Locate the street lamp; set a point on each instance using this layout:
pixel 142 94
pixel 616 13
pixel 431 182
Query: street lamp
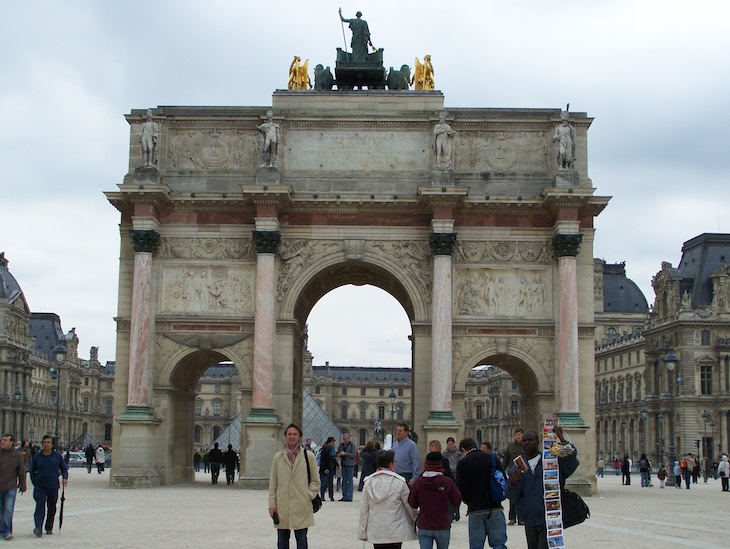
pixel 622 441
pixel 644 418
pixel 59 354
pixel 660 442
pixel 393 409
pixel 671 361
pixel 17 397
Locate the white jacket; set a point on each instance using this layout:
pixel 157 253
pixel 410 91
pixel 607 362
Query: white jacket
pixel 723 466
pixel 385 516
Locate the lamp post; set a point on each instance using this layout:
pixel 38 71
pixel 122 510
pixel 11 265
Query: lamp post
pixel 393 409
pixel 660 442
pixel 671 361
pixel 18 397
pixel 644 418
pixel 622 441
pixel 59 354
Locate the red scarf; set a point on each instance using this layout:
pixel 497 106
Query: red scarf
pixel 292 454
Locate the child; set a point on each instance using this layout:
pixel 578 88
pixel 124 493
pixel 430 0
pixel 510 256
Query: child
pixel 661 474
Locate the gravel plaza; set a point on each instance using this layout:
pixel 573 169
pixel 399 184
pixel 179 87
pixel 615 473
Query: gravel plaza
pixel 201 515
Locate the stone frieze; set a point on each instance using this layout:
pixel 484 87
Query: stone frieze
pixel 480 151
pixel 502 293
pixel 504 251
pixel 296 255
pixel 206 248
pixel 212 149
pixel 207 290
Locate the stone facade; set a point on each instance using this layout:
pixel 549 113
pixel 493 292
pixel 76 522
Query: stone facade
pixel 490 258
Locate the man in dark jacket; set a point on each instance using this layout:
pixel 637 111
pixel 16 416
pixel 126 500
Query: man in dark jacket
pixel 12 477
pixel 473 477
pixel 230 458
pixel 216 458
pixel 90 454
pixel 513 450
pixel 45 468
pixel 526 487
pixel 433 492
pixel 327 466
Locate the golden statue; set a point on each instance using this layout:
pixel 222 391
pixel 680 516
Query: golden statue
pixel 299 75
pixel 423 74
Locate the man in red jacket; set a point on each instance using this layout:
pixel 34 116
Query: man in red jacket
pixel 432 492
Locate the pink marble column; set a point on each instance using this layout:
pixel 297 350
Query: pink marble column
pixel 138 390
pixel 442 246
pixel 264 321
pixel 566 247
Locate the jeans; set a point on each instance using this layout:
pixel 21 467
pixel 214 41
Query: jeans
pixel 45 497
pixel 600 472
pixel 347 472
pixel 687 478
pixel 282 540
pixel 536 537
pixel 7 506
pixel 427 537
pixel 326 484
pixel 644 479
pixel 491 526
pixel 215 470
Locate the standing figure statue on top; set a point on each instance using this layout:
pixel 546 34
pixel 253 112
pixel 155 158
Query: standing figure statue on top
pixel 360 37
pixel 565 137
pixel 148 140
pixel 443 138
pixel 269 141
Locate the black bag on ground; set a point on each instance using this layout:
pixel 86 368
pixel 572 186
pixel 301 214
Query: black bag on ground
pixel 574 509
pixel 317 501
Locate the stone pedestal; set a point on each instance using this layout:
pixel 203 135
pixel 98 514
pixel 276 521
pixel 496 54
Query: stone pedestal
pixel 134 450
pixel 442 178
pixel 440 426
pixel 268 175
pixel 262 442
pixel 566 179
pixel 147 175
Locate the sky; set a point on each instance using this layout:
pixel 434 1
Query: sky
pixel 655 75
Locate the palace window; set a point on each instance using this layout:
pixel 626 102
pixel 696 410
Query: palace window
pixel 400 392
pixel 86 403
pixel 217 389
pixel 705 338
pixel 216 408
pixel 108 403
pixel 514 407
pixel 198 407
pixel 317 390
pixel 706 379
pixel 363 436
pixel 480 411
pixel 198 434
pixel 216 432
pixel 109 386
pixel 198 388
pixel 399 412
pixel 381 392
pixel 86 381
pixel 107 431
pixel 344 391
pixel 363 411
pixel 479 389
pixel 514 385
pixel 343 411
pixel 362 391
pixel 381 411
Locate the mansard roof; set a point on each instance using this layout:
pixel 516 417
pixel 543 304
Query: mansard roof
pixel 701 257
pixel 45 328
pixel 620 293
pixel 9 288
pixel 362 373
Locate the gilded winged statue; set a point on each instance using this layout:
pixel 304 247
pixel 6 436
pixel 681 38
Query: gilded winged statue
pixel 423 74
pixel 299 75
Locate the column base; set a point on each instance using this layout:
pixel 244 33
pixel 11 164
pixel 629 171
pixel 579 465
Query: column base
pixel 583 487
pixel 138 413
pixel 570 418
pixel 130 477
pixel 262 415
pixel 440 425
pixel 262 442
pixel 441 418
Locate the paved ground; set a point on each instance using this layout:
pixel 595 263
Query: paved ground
pixel 202 515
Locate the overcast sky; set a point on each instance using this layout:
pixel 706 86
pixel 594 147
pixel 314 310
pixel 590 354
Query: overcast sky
pixel 654 75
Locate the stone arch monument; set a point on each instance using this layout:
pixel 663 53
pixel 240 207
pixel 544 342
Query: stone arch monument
pixel 223 257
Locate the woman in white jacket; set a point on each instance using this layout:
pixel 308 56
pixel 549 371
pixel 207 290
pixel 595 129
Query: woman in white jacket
pixel 723 469
pixel 386 519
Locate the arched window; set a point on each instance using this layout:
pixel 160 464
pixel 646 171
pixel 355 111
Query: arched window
pixel 216 407
pixel 198 434
pixel 216 433
pixel 107 432
pixel 363 435
pixel 198 406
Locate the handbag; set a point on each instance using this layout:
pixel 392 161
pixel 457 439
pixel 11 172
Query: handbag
pixel 574 509
pixel 317 501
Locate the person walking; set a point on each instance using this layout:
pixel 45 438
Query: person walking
pixel 677 470
pixel 644 470
pixel 46 467
pixel 473 477
pixel 230 458
pixel 216 459
pixel 600 465
pixel 723 470
pixel 293 485
pixel 100 458
pixel 453 455
pixel 367 463
pixel 527 489
pixel 513 450
pixel 347 454
pixel 626 470
pixel 206 461
pixel 434 495
pixel 12 479
pixel 386 518
pixel 407 462
pixel 196 460
pixel 327 466
pixel 90 456
pixel 661 474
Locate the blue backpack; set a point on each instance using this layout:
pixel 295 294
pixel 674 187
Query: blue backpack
pixel 497 482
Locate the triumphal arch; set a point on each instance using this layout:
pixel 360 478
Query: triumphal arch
pixel 236 220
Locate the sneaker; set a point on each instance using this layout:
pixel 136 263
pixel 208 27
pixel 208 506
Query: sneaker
pixel 49 533
pixel 37 532
pixel 511 523
pixel 8 537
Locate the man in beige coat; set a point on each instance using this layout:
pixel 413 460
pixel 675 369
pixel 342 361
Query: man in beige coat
pixel 290 495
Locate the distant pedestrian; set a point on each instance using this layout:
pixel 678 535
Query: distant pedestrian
pixel 434 494
pixel 327 466
pixel 626 470
pixel 677 470
pixel 386 518
pixel 216 459
pixel 27 453
pixel 616 466
pixel 661 474
pixel 46 467
pixel 100 458
pixel 229 462
pixel 90 456
pixel 347 452
pixel 513 450
pixel 723 470
pixel 644 470
pixel 196 461
pixel 486 447
pixel 600 465
pixel 290 491
pixel 206 461
pixel 12 479
pixel 367 463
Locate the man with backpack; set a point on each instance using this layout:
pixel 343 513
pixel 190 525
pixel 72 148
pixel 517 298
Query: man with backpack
pixel 526 487
pixel 474 478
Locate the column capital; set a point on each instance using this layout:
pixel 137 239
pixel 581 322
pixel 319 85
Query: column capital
pixel 145 240
pixel 566 245
pixel 442 243
pixel 266 241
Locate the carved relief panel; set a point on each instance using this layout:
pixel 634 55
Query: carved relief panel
pixel 504 251
pixel 503 293
pixel 207 290
pixel 212 149
pixel 296 255
pixel 206 248
pixel 481 151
